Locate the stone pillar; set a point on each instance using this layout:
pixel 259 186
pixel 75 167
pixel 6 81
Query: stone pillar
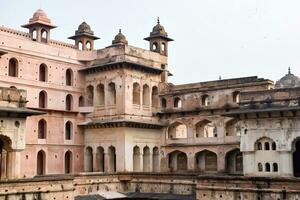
pixel 191 162
pixel 13 164
pixel 106 162
pixel 150 162
pixel 285 165
pixel 3 164
pixel 95 161
pixel 221 162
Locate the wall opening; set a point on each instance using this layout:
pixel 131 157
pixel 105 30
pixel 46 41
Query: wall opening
pixel 69 77
pixel 90 95
pixel 154 97
pixel 13 67
pixel 146 159
pixel 42 99
pixel 68 130
pixel 296 158
pixel 100 95
pixel 177 130
pixel 136 159
pixel 177 161
pixel 68 162
pixel 136 91
pixel 43 73
pixel 206 161
pixel 89 159
pixel 100 157
pixel 177 102
pixel 234 162
pixel 69 102
pixel 112 159
pixel 146 95
pixel 155 158
pixel 112 94
pixel 41 162
pixel 42 129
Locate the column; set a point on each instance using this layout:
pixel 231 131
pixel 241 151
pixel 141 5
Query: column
pixel 95 161
pixel 106 162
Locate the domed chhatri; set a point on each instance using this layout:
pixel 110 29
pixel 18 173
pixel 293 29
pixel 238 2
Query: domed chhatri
pixel 120 38
pixel 39 17
pixel 158 29
pixel 159 39
pixel 84 29
pixel 288 81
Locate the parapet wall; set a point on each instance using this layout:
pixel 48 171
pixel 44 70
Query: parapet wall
pixel 60 187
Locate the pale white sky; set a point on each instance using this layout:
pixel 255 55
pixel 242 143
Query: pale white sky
pixel 231 38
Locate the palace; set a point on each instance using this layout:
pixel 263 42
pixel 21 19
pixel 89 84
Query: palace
pixel 77 120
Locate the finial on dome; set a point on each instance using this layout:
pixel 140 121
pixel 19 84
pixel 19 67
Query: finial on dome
pixel 120 38
pixel 289 70
pixel 158 20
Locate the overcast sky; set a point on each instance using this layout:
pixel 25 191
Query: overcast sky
pixel 213 38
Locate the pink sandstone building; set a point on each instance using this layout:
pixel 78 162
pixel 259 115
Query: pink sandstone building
pixel 111 121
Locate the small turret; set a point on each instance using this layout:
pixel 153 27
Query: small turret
pixel 120 39
pixel 84 37
pixel 39 26
pixel 159 39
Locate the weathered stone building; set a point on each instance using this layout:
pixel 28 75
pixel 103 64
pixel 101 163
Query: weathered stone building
pixel 112 114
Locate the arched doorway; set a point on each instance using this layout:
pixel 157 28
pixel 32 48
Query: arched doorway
pixel 89 159
pixel 41 163
pixel 68 162
pixel 136 159
pixel 234 162
pixel 112 159
pixel 177 161
pixel 206 161
pixel 100 157
pixel 296 159
pixel 5 147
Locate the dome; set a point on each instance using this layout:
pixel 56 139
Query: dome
pixel 120 39
pixel 84 28
pixel 288 81
pixel 39 14
pixel 158 29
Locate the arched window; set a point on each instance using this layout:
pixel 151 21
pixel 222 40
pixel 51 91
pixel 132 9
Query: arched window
pixel 154 46
pixel 163 103
pixel 207 161
pixel 100 158
pixel 236 97
pixel 267 167
pixel 68 130
pixel 41 163
pixel 155 160
pixel 260 167
pixel 206 128
pixel 177 102
pixel 89 159
pixel 43 73
pixel 204 100
pixel 100 95
pixel 177 161
pixel 112 159
pixel 136 159
pixel 44 35
pixel 88 45
pixel 69 102
pixel 90 95
pixel 13 67
pixel 177 130
pixel 234 162
pixel 267 146
pixel 68 162
pixel 136 94
pixel 154 97
pixel 34 35
pixel 275 167
pixel 42 99
pixel 146 159
pixel 259 146
pixel 80 45
pixel 112 94
pixel 69 77
pixel 273 146
pixel 146 95
pixel 81 101
pixel 42 129
pixel 232 128
pixel 163 47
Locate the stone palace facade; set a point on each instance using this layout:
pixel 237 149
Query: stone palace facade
pixel 112 110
